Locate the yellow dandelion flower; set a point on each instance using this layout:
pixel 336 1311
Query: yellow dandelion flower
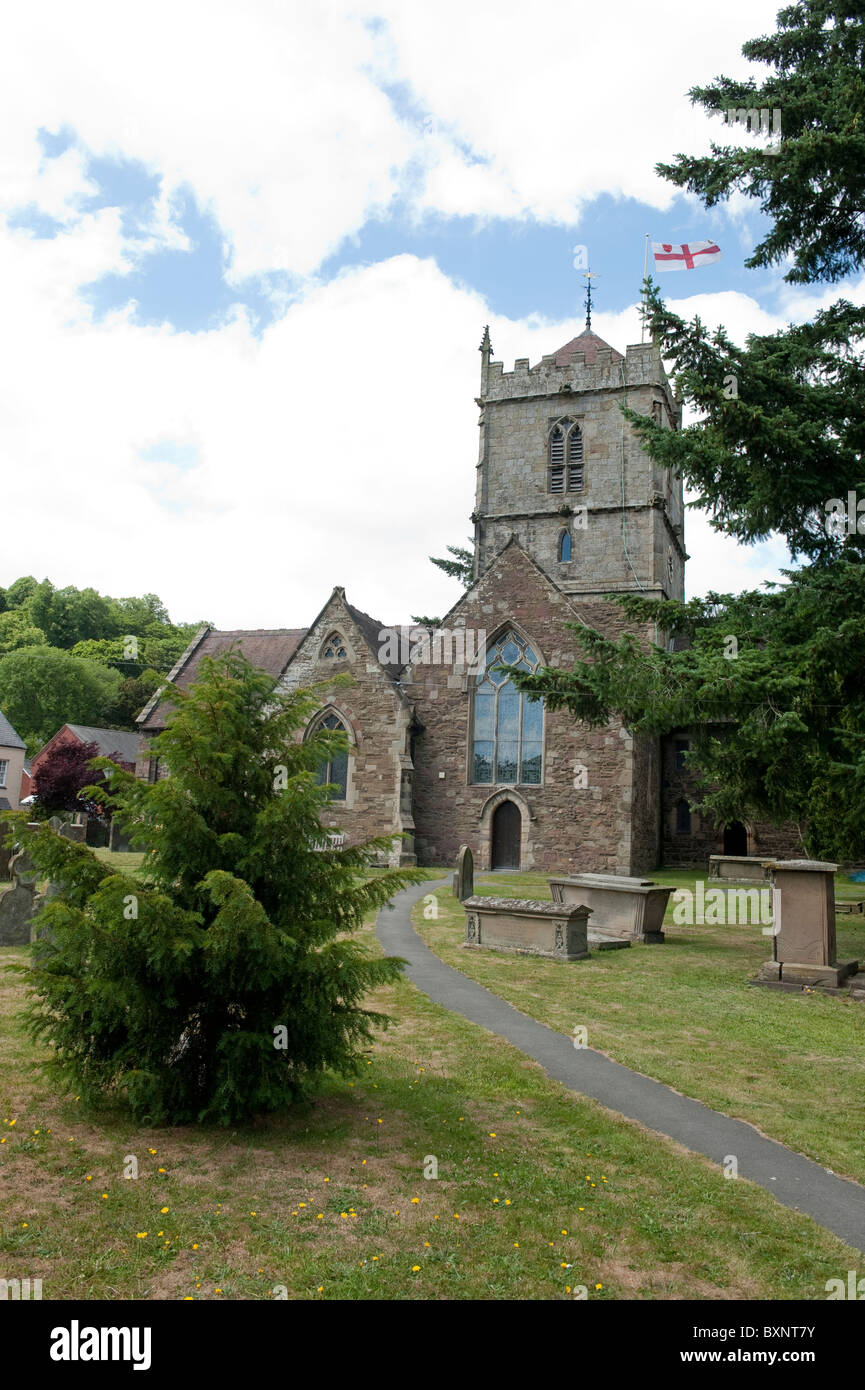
pixel 320 1288
pixel 327 1179
pixel 253 1213
pixel 160 1233
pixel 195 1247
pixel 301 1204
pixel 217 1290
pixel 363 1163
pixel 415 1201
pixel 495 1201
pixel 375 1257
pixel 140 1235
pixel 320 1216
pixel 164 1210
pixel 160 1170
pixel 599 1286
pixel 564 1232
pixel 516 1245
pixel 344 1215
pixel 415 1268
pixel 582 1209
pixel 492 1135
pixel 426 1245
pixel 88 1178
pixel 151 1151
pixel 507 1201
pixel 24 1225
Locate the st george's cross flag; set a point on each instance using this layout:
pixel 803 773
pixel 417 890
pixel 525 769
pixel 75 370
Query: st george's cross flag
pixel 690 256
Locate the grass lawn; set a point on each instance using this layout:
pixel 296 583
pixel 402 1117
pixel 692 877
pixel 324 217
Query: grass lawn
pixel 684 1013
pixel 538 1192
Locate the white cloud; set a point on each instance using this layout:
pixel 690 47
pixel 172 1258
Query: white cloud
pixel 340 446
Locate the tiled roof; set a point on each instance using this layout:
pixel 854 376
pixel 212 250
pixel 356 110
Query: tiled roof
pixel 118 741
pixel 589 344
pixel 8 736
pixel 270 649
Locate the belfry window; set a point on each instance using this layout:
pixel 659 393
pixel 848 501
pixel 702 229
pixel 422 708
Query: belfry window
pixel 334 648
pixel 333 772
pixel 557 459
pixel 575 460
pixel 565 458
pixel 508 726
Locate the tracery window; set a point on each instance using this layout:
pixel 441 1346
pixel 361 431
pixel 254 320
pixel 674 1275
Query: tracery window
pixel 335 770
pixel 334 648
pixel 508 726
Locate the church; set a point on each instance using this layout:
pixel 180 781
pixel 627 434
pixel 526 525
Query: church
pixel 443 751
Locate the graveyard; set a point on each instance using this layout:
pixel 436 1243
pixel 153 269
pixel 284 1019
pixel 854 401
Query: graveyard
pixel 451 1167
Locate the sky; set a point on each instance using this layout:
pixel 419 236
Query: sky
pixel 247 253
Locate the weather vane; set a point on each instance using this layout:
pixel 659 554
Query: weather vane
pixel 588 276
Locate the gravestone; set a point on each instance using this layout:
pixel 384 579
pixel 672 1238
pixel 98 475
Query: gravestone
pixel 56 824
pixel 624 909
pixel 803 939
pixel 5 861
pixel 120 844
pixel 23 870
pixel 464 878
pixel 527 927
pixel 16 912
pixel 76 833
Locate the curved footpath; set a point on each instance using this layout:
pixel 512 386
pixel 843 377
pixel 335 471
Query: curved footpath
pixel 797 1182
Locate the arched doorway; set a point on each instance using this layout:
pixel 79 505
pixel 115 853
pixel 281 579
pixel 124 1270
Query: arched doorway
pixel 735 838
pixel 506 832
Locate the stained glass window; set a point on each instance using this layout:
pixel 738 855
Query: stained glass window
pixel 508 726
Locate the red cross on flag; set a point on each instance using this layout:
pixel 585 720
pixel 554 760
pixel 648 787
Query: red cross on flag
pixel 690 256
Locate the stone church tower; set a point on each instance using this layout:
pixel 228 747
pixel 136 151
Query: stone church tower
pixel 562 471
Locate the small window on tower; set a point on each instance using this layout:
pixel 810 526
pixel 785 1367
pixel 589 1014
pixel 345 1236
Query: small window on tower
pixel 670 565
pixel 565 546
pixel 683 817
pixel 575 460
pixel 557 460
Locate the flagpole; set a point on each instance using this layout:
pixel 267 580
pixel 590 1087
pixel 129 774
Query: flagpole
pixel 645 272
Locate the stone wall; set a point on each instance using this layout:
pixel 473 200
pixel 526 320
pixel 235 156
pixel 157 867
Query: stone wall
pixel 377 717
pixel 692 850
pixel 563 828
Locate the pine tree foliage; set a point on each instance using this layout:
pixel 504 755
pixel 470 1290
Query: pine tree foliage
pixel 768 683
pixel 222 983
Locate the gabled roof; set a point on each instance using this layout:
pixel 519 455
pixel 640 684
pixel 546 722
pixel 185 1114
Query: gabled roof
pixel 590 345
pixel 8 736
pixel 270 649
pixel 118 741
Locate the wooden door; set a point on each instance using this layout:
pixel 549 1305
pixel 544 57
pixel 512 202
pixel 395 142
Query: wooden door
pixel 507 825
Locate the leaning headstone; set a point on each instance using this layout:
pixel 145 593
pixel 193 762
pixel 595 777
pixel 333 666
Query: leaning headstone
pixel 803 939
pixel 464 878
pixel 16 912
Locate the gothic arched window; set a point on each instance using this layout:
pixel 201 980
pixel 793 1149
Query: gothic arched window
pixel 508 726
pixel 333 772
pixel 565 546
pixel 334 648
pixel 565 448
